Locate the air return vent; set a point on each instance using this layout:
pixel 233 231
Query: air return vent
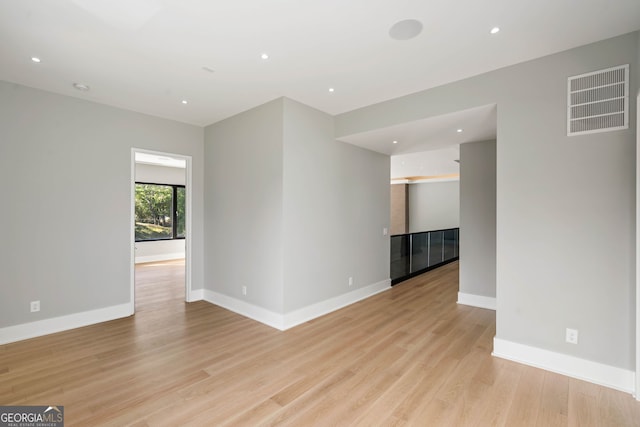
pixel 598 101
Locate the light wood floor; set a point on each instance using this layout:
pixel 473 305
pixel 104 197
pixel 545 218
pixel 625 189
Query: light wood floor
pixel 408 356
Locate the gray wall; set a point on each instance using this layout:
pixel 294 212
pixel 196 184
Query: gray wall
pixel 243 206
pixel 434 206
pixel 66 164
pixel 565 205
pixel 478 218
pixel 336 203
pixel 290 212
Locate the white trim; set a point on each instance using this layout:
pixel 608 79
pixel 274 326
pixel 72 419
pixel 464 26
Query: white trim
pixel 196 295
pixel 571 366
pixel 160 257
pixel 477 301
pixel 319 309
pixel 63 323
pixel 188 213
pixel 297 317
pixel 245 309
pixel 132 231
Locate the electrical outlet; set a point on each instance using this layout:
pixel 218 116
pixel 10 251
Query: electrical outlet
pixel 244 290
pixel 572 336
pixel 350 281
pixel 35 306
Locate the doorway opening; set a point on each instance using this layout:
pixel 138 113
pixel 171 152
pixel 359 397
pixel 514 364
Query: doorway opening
pixel 160 228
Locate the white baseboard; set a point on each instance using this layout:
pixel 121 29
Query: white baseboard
pixel 244 308
pixel 477 301
pixel 319 309
pixel 297 317
pixel 63 323
pixel 571 366
pixel 158 258
pixel 196 295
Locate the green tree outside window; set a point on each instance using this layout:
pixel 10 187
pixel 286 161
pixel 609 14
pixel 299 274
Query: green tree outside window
pixel 155 218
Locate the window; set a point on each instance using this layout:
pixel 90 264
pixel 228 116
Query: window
pixel 180 211
pixel 159 211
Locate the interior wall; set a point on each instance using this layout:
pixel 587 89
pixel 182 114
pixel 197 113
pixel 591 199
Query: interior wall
pixel 478 218
pixel 434 206
pixel 243 206
pixel 637 289
pixel 399 209
pixel 565 205
pixel 637 270
pixel 157 174
pixel 160 250
pixel 68 165
pixel 336 204
pixel 426 163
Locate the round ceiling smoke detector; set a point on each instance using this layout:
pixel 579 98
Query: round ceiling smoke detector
pixel 405 30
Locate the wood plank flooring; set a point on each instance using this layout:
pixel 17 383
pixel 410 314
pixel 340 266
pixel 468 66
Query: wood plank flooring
pixel 409 356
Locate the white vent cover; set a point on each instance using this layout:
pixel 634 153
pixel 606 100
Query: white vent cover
pixel 598 101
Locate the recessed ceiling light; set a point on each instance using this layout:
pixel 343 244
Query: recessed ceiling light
pixel 459 130
pixel 331 89
pixel 395 142
pixel 35 59
pixel 184 101
pixel 405 30
pixel 82 87
pixel 495 30
pixel 264 56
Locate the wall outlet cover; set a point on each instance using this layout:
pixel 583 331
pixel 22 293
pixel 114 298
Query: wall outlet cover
pixel 35 306
pixel 572 336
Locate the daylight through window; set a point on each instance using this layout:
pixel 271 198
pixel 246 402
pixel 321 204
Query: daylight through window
pixel 159 211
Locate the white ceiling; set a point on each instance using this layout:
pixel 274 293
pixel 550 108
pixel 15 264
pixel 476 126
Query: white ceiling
pixel 436 165
pixel 148 55
pixel 433 133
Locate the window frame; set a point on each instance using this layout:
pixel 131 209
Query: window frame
pixel 174 211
